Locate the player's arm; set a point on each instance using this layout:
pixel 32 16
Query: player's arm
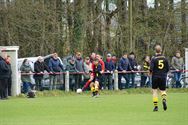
pixel 102 65
pixel 151 66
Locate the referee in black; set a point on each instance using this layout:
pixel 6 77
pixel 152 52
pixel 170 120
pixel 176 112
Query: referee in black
pixel 159 68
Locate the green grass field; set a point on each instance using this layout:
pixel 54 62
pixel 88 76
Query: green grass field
pixel 113 109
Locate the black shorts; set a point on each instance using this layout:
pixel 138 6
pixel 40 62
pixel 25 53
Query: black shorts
pixel 98 79
pixel 159 82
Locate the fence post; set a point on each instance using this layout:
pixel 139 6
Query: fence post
pixel 186 62
pixel 67 81
pixel 116 80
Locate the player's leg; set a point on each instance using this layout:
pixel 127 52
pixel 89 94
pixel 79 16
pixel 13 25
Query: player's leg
pixel 92 88
pixel 155 99
pixel 155 93
pixel 162 87
pixel 88 82
pixel 163 95
pixel 96 85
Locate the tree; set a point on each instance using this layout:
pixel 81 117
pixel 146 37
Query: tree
pixel 184 33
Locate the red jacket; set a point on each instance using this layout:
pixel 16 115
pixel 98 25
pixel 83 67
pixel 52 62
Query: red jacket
pixel 102 66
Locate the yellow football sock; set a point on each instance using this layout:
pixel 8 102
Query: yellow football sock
pixel 96 88
pixel 155 101
pixel 163 95
pixel 92 89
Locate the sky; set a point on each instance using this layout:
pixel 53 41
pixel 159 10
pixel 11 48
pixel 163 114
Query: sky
pixel 151 2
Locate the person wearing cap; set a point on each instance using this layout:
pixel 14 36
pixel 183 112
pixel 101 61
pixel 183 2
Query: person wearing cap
pixel 123 67
pixel 109 69
pixel 39 68
pixel 4 75
pixel 177 64
pixel 115 61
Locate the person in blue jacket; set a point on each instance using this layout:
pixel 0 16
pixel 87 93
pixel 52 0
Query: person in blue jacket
pixel 55 67
pixel 109 69
pixel 123 67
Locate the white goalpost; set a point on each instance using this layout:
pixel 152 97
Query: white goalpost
pixel 12 51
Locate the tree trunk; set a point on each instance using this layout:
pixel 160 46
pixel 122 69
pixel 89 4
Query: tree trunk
pixel 183 21
pixel 89 28
pixel 97 27
pixel 122 41
pixel 107 27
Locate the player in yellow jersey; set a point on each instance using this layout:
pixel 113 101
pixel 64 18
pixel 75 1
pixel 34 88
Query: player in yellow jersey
pixel 159 68
pixel 96 73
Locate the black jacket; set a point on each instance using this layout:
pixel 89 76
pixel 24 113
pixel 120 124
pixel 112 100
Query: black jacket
pixel 4 70
pixel 40 67
pixel 10 70
pixel 133 64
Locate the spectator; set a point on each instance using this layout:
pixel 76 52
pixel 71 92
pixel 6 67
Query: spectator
pixel 114 60
pixel 177 64
pixel 25 77
pixel 133 64
pixel 80 68
pixel 92 57
pixel 55 67
pixel 71 67
pixel 39 68
pixel 4 75
pixel 124 66
pixel 87 69
pixel 109 68
pixel 8 60
pixel 145 75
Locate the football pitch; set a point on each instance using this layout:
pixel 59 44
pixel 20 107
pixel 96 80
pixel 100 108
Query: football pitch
pixel 113 109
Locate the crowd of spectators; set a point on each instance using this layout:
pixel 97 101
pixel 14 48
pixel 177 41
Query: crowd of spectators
pixel 80 68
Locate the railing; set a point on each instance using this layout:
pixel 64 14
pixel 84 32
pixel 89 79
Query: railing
pixel 115 73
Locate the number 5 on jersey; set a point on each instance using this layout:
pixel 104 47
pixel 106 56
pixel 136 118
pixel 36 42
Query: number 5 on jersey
pixel 161 64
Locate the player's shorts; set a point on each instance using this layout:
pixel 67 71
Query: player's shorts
pixel 159 82
pixel 98 79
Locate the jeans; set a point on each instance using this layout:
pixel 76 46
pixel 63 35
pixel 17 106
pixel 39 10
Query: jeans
pixel 177 76
pixel 78 80
pixel 27 87
pixel 72 82
pixel 132 79
pixel 108 81
pixel 121 85
pixel 143 80
pixel 38 82
pixel 53 82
